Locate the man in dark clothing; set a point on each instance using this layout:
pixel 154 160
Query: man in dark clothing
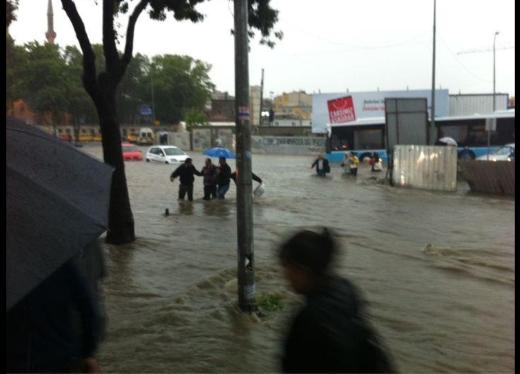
pixel 331 333
pixel 223 178
pixel 322 166
pixel 41 334
pixel 185 172
pixel 253 175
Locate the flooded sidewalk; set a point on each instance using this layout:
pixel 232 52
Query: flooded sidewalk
pixel 436 268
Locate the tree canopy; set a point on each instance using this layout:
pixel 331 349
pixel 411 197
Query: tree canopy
pixel 48 78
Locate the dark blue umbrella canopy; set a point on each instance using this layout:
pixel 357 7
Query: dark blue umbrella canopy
pixel 57 202
pixel 219 152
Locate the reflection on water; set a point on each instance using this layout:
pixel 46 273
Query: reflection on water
pixel 436 268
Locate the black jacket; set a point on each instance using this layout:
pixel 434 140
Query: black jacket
pixel 42 331
pixel 186 173
pixel 331 334
pixel 326 166
pixel 223 175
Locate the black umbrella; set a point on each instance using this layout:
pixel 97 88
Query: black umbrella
pixel 57 202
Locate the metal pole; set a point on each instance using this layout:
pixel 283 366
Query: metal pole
pixel 432 125
pixel 261 97
pixel 494 98
pixel 246 270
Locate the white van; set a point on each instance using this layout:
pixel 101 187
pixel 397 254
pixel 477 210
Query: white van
pixel 145 137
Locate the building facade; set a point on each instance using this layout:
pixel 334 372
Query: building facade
pixel 294 106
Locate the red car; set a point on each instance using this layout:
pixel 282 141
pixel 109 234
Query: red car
pixel 131 152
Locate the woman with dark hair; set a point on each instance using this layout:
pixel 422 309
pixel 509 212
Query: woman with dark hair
pixel 331 333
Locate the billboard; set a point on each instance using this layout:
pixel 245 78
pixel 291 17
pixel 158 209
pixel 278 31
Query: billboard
pixel 372 104
pixel 406 122
pixel 341 110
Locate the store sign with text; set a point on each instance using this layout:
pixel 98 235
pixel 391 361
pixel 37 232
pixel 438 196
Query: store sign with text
pixel 341 110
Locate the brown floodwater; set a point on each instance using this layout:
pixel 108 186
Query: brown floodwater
pixel 436 268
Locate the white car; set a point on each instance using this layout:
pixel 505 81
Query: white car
pixel 167 154
pixel 504 153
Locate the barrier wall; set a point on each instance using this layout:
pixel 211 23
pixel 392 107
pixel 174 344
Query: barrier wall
pixel 494 177
pixel 425 167
pixel 294 145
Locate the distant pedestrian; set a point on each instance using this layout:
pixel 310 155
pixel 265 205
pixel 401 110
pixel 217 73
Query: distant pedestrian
pixel 346 163
pixel 223 178
pixel 322 166
pixel 353 163
pixel 374 162
pixel 331 332
pixel 42 335
pixel 186 173
pixel 209 173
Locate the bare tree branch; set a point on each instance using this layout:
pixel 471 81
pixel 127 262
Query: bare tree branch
pixel 130 34
pixel 89 59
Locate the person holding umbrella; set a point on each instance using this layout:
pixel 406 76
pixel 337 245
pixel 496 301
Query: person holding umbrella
pixel 42 335
pixel 57 201
pixel 223 178
pixel 185 172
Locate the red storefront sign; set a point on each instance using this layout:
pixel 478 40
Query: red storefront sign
pixel 341 110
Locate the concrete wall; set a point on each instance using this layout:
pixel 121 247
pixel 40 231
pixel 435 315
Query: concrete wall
pixel 279 145
pixel 425 167
pixel 179 139
pixel 204 138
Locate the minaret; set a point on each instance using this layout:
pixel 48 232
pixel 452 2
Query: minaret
pixel 50 34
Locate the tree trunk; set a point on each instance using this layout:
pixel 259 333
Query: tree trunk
pixel 120 217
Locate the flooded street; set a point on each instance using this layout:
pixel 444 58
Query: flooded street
pixel 437 270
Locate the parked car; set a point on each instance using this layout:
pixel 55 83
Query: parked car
pixel 168 154
pixel 131 152
pixel 504 153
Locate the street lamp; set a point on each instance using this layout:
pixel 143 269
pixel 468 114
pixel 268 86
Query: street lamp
pixel 494 98
pixel 494 71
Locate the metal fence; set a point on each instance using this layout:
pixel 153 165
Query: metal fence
pixel 494 177
pixel 425 167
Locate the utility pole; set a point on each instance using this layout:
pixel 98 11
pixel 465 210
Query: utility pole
pixel 261 97
pixel 494 71
pixel 432 124
pixel 246 270
pixel 494 94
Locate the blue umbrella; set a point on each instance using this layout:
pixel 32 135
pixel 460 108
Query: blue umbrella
pixel 219 152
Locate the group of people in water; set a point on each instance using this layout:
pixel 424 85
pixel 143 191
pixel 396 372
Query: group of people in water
pixel 350 163
pixel 216 178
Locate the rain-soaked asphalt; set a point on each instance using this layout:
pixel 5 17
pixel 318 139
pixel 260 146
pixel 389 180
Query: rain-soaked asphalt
pixel 436 268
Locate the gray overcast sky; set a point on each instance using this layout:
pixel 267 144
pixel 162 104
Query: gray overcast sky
pixel 361 45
